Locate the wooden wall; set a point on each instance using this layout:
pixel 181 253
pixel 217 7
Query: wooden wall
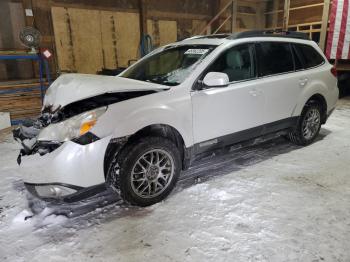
pixel 88 40
pixel 304 16
pixel 20 100
pixel 248 15
pixel 162 31
pixel 107 25
pixel 11 21
pixel 296 16
pixel 165 21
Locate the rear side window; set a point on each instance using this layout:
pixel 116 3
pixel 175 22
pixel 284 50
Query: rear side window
pixel 297 60
pixel 274 58
pixel 307 55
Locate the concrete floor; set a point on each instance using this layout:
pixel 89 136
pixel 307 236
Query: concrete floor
pixel 270 202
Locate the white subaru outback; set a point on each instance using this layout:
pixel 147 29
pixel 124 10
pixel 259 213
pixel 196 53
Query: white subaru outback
pixel 135 132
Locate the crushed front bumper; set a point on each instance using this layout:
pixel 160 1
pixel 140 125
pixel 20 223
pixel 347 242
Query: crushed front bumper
pixel 27 130
pixel 79 202
pixel 63 193
pixel 79 166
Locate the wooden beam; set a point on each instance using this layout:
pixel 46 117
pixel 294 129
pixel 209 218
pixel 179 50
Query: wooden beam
pixel 275 15
pixel 215 8
pixel 233 16
pixel 246 14
pixel 29 20
pixel 175 15
pixel 93 7
pixel 208 27
pixel 324 26
pixel 273 12
pixel 260 18
pixel 286 14
pixel 143 17
pixel 254 1
pixel 305 6
pixel 222 24
pixel 298 26
pixel 294 8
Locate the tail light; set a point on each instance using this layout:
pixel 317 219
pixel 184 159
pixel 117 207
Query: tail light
pixel 334 71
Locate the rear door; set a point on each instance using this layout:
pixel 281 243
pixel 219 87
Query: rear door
pixel 279 81
pixel 310 60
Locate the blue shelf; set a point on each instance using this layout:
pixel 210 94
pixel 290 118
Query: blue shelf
pixel 43 65
pixel 20 57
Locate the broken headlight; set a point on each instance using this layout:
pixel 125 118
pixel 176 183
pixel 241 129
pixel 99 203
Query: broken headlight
pixel 71 128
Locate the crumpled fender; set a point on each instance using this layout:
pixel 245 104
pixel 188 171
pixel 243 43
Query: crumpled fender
pixel 128 117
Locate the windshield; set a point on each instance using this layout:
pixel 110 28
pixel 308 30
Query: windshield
pixel 169 67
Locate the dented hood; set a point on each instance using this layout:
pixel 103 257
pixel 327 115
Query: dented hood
pixel 69 88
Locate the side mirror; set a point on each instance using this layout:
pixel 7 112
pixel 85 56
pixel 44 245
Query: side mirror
pixel 216 79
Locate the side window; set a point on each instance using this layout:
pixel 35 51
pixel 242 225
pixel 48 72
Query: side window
pixel 236 62
pixel 298 61
pixel 274 58
pixel 308 55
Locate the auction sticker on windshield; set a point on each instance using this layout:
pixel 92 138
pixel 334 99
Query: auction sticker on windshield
pixel 196 51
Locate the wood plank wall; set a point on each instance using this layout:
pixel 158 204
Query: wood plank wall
pixel 304 16
pixel 299 16
pixel 248 16
pixel 11 22
pixel 89 40
pixel 181 12
pixel 22 101
pixel 162 31
pixel 189 15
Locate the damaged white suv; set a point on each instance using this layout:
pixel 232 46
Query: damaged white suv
pixel 135 132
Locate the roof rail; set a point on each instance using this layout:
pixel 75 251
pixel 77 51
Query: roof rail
pixel 192 37
pixel 269 33
pixel 213 36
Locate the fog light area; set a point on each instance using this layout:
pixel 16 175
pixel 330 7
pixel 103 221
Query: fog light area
pixel 54 191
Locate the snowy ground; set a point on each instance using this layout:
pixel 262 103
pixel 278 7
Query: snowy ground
pixel 269 202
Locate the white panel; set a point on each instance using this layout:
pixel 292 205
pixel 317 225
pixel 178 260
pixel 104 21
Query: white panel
pixel 5 121
pixel 346 45
pixel 338 19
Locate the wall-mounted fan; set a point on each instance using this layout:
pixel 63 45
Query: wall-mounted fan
pixel 30 37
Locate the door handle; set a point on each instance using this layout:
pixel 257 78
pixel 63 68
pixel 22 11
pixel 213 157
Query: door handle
pixel 303 82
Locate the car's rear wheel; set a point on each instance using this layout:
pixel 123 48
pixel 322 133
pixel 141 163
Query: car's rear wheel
pixel 308 126
pixel 145 172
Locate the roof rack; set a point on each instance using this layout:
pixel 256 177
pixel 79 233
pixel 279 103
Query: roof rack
pixel 217 36
pixel 213 36
pixel 269 33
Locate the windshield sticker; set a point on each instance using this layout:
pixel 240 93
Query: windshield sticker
pixel 196 51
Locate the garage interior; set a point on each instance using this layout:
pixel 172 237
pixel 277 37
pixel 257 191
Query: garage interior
pixel 269 201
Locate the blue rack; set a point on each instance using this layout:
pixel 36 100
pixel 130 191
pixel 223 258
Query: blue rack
pixel 43 65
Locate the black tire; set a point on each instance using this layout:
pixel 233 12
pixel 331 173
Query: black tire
pixel 120 170
pixel 297 136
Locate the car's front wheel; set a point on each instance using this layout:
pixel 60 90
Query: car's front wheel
pixel 145 172
pixel 308 126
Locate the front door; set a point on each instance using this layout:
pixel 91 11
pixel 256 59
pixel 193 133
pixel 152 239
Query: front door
pixel 227 114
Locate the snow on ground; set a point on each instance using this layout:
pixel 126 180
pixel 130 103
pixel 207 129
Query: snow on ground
pixel 268 202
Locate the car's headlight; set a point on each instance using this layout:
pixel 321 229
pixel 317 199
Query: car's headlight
pixel 71 128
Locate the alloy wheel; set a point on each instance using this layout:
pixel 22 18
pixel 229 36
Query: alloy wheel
pixel 152 173
pixel 311 123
